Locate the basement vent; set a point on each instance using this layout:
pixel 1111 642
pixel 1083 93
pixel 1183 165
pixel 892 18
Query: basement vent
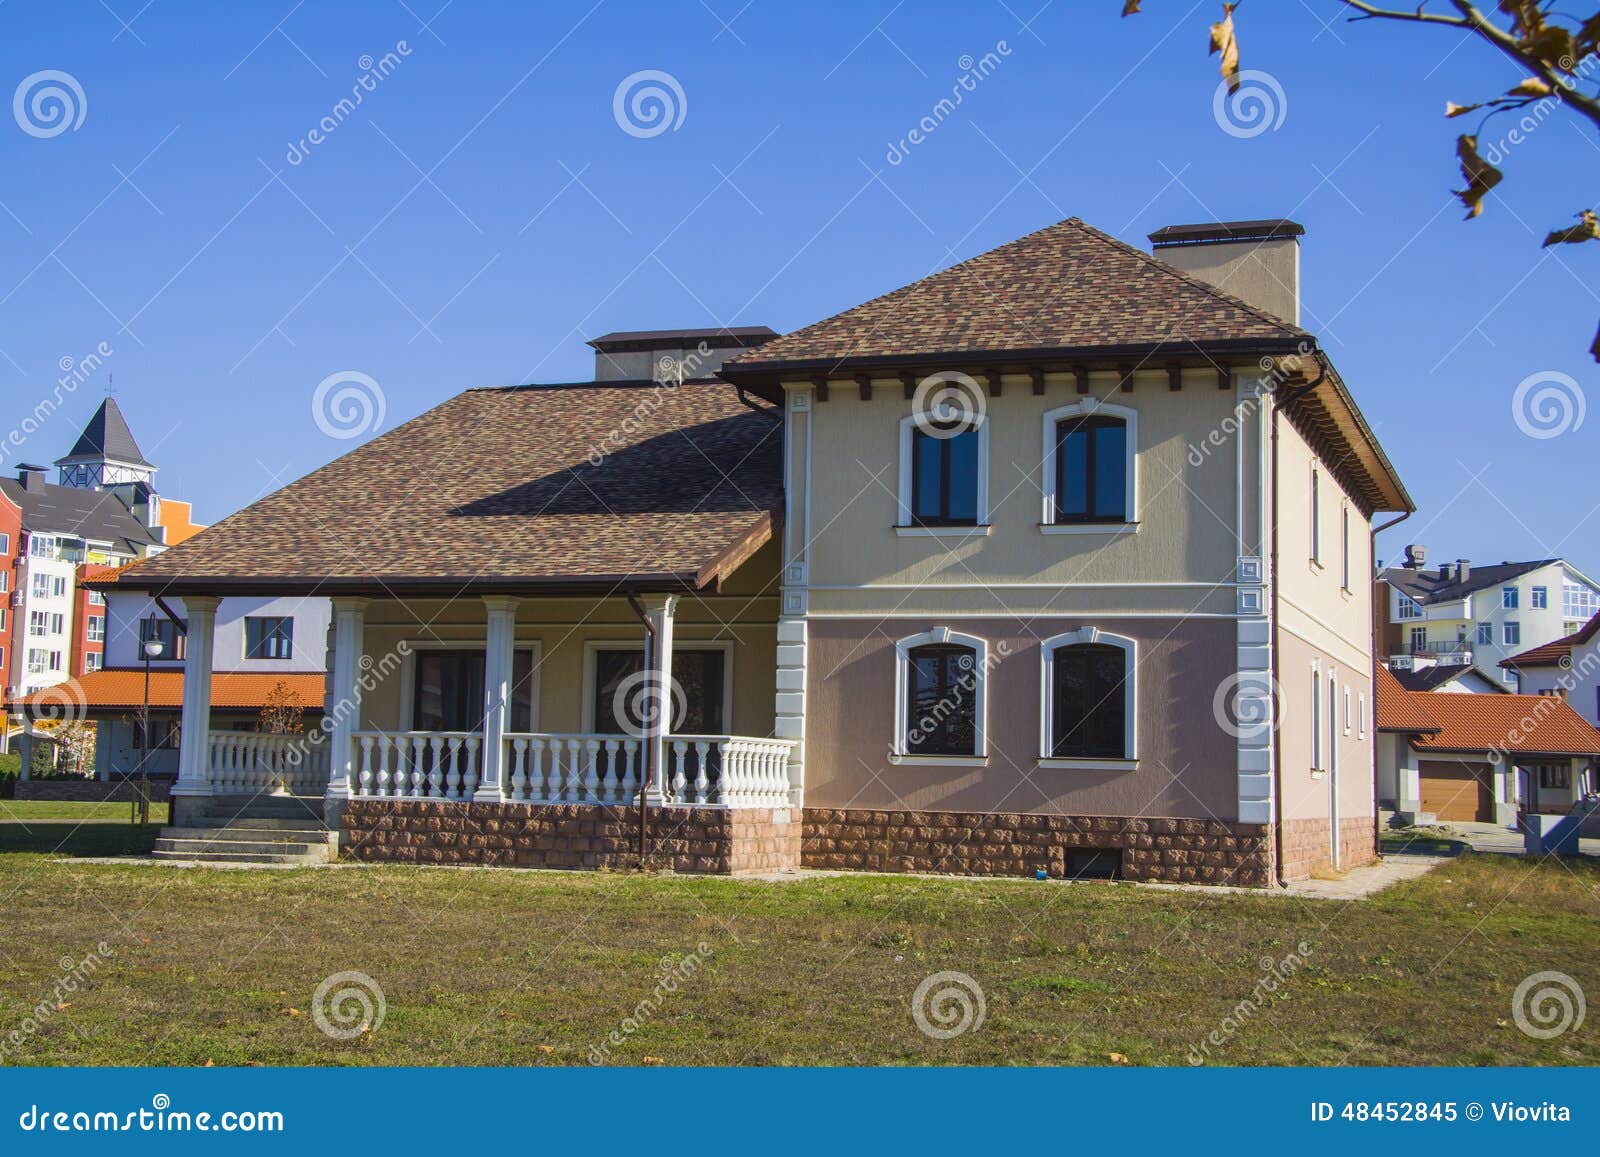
pixel 1093 864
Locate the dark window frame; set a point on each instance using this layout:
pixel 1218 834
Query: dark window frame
pixel 260 639
pixel 1101 731
pixel 920 438
pixel 1088 423
pixel 955 734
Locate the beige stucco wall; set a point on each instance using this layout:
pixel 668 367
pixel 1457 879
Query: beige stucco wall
pixel 1187 513
pixel 1319 621
pixel 1186 761
pixel 744 614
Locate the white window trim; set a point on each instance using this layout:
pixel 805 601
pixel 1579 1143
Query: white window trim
pixel 1130 721
pixel 1047 511
pixel 591 669
pixel 904 520
pixel 1347 709
pixel 1361 715
pixel 1316 718
pixel 1316 517
pixel 408 676
pixel 902 690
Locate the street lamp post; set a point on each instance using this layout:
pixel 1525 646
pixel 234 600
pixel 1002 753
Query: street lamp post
pixel 153 649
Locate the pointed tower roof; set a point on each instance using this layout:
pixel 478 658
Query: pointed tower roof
pixel 107 438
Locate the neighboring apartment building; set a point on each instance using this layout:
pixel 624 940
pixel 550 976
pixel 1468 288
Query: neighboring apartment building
pixel 1003 572
pixel 1568 667
pixel 10 539
pixel 102 513
pixel 1462 614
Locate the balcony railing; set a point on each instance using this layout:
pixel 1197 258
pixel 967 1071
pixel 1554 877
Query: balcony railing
pixel 417 764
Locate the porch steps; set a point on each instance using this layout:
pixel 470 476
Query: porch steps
pixel 252 830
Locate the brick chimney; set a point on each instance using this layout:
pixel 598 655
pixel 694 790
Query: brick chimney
pixel 1258 261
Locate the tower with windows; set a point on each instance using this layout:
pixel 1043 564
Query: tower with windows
pixel 106 454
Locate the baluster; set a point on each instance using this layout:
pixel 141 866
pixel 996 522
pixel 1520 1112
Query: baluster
pixel 519 770
pixel 436 767
pixel 679 781
pixel 469 778
pixel 591 771
pixel 419 770
pixel 366 767
pixel 536 771
pixel 625 777
pixel 702 774
pixel 608 783
pixel 385 749
pixel 452 779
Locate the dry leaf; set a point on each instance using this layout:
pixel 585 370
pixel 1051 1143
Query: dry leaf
pixel 291 1012
pixel 654 1061
pixel 1587 229
pixel 63 1006
pixel 1479 174
pixel 1554 45
pixel 1224 41
pixel 1533 86
pixel 210 1064
pixel 1452 109
pixel 1130 7
pixel 1117 1058
pixel 547 1049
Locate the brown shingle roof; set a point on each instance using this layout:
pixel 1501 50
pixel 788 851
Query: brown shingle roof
pixel 1530 724
pixel 1399 709
pixel 1558 653
pixel 1068 286
pixel 498 489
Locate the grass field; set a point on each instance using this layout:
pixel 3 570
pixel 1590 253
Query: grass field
pixel 496 967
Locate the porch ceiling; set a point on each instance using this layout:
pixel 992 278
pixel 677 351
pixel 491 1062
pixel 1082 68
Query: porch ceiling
pixel 588 488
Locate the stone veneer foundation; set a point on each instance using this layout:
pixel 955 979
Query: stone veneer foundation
pixel 1305 845
pixel 574 836
pixel 726 842
pixel 981 844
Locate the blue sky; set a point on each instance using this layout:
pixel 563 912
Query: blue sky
pixel 482 213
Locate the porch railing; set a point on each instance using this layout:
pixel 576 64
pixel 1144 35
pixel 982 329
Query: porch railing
pixel 417 764
pixel 707 770
pixel 246 762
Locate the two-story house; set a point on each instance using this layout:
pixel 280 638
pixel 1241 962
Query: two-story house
pixel 1460 614
pixel 1057 561
pixel 1568 667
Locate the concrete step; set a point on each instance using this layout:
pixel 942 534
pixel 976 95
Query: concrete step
pixel 242 833
pixel 200 857
pixel 241 847
pixel 258 823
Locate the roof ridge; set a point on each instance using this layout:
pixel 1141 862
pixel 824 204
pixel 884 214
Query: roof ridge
pixel 1193 281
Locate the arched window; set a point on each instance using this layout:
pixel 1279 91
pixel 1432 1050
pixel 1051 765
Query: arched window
pixel 940 697
pixel 1090 467
pixel 1088 706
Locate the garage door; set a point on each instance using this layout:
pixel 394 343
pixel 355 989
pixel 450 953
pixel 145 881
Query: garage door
pixel 1456 791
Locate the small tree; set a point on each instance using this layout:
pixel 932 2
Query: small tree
pixel 282 713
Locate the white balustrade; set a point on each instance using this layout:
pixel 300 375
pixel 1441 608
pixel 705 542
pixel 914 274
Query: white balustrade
pixel 416 764
pixel 249 762
pixel 704 770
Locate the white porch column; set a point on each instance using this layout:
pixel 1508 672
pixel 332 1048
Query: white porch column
pixel 660 610
pixel 25 748
pixel 342 712
pixel 194 735
pixel 499 667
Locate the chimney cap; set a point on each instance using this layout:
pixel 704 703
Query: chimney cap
pixel 1416 555
pixel 723 337
pixel 1215 232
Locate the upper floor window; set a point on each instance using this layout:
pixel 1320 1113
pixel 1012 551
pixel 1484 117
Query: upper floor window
pixel 1408 608
pixel 1344 547
pixel 944 469
pixel 1539 598
pixel 95 629
pixel 164 630
pixel 1485 634
pixel 1088 680
pixel 269 638
pixel 1578 601
pixel 940 692
pixel 96 599
pixel 1090 466
pixel 5 546
pixel 1511 633
pixel 93 661
pixel 1508 598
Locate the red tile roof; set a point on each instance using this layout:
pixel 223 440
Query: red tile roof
pixel 117 688
pixel 1558 653
pixel 1528 724
pixel 1399 709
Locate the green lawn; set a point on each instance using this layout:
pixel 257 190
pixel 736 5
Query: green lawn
pixel 497 967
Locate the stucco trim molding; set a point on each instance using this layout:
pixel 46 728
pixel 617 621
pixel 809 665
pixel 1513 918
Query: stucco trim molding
pixel 1130 713
pixel 902 691
pixel 1085 408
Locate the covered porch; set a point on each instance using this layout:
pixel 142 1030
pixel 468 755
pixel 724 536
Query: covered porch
pixel 513 700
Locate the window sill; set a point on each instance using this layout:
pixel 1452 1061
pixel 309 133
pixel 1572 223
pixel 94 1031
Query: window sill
pixel 982 529
pixel 1316 566
pixel 1051 761
pixel 938 760
pixel 1088 527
